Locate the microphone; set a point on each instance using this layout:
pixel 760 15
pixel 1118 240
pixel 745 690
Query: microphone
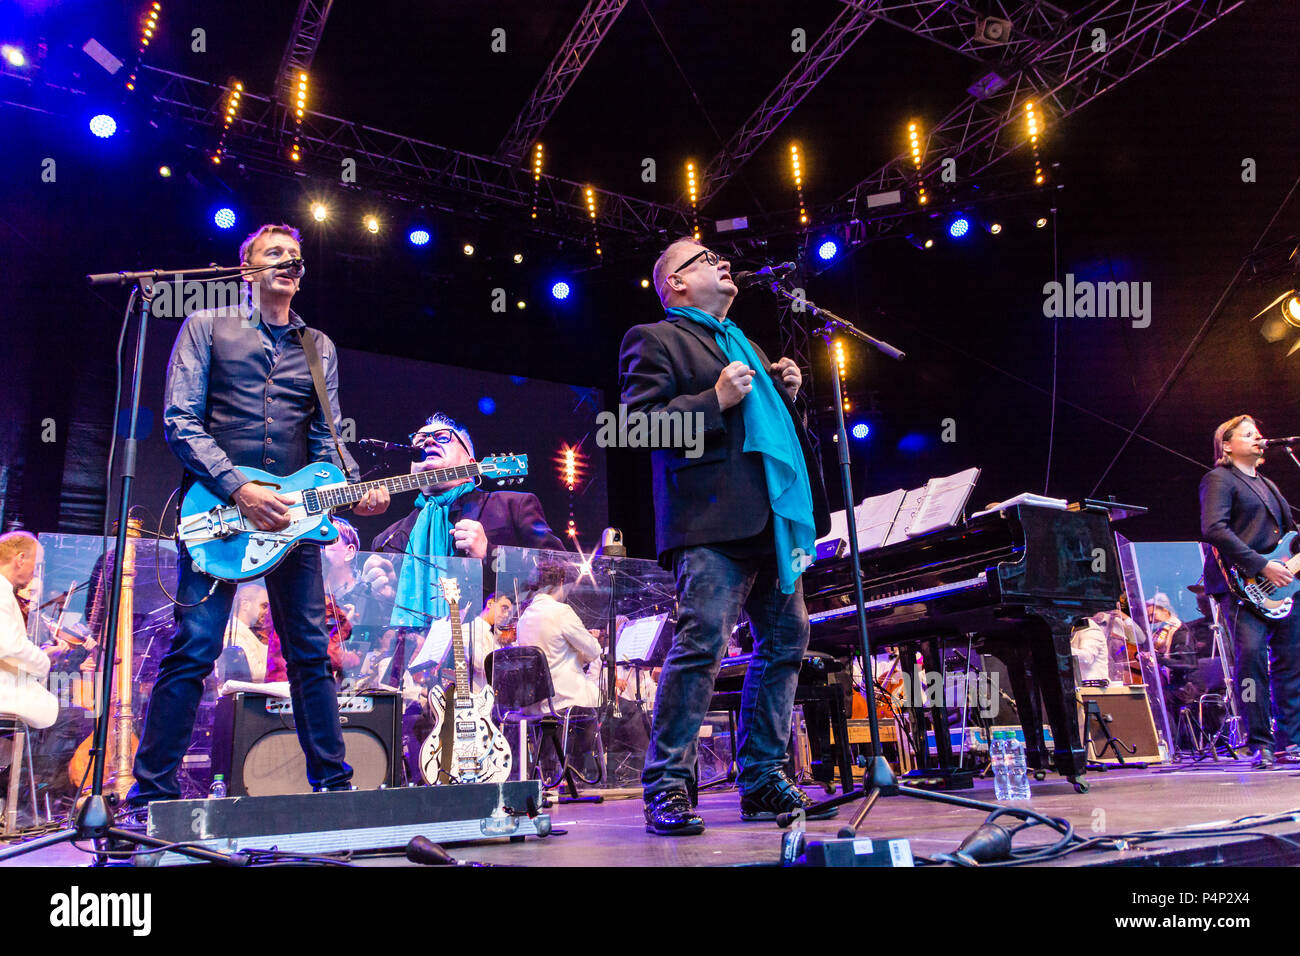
pixel 295 268
pixel 373 444
pixel 1270 442
pixel 764 275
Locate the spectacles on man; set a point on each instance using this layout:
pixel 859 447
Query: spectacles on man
pixel 710 258
pixel 443 436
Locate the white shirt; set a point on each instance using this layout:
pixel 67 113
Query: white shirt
pixel 241 635
pixel 1091 653
pixel 559 633
pixel 483 641
pixel 23 667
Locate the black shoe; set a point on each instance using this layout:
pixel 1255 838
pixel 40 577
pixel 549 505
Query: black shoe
pixel 778 794
pixel 669 813
pixel 1262 759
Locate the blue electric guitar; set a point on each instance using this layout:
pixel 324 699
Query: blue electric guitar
pixel 1267 600
pixel 226 545
pixel 466 744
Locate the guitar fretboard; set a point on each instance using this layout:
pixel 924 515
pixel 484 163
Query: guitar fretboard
pixel 344 496
pixel 458 652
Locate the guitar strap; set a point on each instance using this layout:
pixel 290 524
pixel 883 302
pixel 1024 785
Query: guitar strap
pixel 322 395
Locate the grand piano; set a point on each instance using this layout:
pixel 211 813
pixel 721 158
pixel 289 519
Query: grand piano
pixel 1014 580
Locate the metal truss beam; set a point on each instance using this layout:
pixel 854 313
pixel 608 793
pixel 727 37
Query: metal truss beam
pixel 952 24
pixel 567 65
pixel 843 32
pixel 308 26
pixel 1061 75
pixel 391 160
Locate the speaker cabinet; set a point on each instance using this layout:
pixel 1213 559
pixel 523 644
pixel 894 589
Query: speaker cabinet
pixel 255 743
pixel 1130 720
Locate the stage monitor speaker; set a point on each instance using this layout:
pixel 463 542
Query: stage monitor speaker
pixel 255 743
pixel 1131 722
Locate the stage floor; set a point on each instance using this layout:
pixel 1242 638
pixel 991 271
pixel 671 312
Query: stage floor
pixel 1119 801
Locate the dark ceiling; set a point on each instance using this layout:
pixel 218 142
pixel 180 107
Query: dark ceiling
pixel 1147 187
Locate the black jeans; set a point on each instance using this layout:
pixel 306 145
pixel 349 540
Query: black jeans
pixel 711 590
pixel 297 595
pixel 1266 649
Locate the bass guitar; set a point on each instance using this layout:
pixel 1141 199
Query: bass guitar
pixel 226 545
pixel 1266 599
pixel 466 744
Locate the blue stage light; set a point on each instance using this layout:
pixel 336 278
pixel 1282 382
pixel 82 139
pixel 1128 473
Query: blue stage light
pixel 419 237
pixel 828 250
pixel 224 218
pixel 959 227
pixel 487 405
pixel 103 125
pixel 560 291
pixel 861 430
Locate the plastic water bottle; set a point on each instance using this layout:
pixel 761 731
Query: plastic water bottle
pixel 998 758
pixel 1017 769
pixel 218 788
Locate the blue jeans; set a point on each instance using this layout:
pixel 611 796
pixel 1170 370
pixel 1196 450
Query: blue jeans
pixel 1256 640
pixel 711 590
pixel 297 595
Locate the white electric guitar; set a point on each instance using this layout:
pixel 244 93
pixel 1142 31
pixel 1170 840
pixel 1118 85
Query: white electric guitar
pixel 479 751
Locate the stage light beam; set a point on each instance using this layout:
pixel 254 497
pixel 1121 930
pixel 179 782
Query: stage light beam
pixel 224 218
pixel 103 125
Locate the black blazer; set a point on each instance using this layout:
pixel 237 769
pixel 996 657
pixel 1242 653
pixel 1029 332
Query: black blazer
pixel 512 519
pixel 672 365
pixel 1237 520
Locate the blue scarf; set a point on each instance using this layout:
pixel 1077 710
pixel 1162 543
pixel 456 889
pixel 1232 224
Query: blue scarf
pixel 418 600
pixel 770 431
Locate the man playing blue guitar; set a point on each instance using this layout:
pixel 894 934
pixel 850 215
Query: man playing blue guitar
pixel 1244 516
pixel 242 393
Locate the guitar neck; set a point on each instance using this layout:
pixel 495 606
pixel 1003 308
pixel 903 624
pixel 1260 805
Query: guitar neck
pixel 346 495
pixel 458 652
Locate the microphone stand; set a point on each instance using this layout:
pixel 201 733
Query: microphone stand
pixel 94 818
pixel 879 778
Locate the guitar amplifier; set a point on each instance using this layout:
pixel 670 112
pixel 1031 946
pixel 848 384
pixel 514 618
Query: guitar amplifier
pixel 1131 721
pixel 255 743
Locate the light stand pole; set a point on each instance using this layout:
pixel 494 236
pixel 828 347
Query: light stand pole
pixel 94 818
pixel 879 778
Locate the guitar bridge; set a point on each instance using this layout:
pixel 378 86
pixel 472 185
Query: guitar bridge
pixel 220 527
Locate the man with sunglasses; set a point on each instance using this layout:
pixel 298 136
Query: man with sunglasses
pixel 240 393
pixel 735 526
pixel 476 520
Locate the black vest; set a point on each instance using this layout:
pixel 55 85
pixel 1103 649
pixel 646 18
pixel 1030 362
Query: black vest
pixel 259 413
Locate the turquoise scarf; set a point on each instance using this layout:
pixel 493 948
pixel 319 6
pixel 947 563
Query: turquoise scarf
pixel 770 431
pixel 418 601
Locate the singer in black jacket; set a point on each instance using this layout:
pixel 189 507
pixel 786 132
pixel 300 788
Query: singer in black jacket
pixel 1244 516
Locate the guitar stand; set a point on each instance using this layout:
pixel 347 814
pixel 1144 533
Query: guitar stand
pixel 1206 747
pixel 1093 711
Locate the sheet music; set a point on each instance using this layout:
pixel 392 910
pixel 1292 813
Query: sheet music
pixel 876 516
pixel 436 645
pixel 1026 498
pixel 942 502
pixel 637 637
pixel 907 512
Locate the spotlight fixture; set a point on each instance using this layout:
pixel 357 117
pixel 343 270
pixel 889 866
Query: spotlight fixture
pixel 103 125
pixel 645 283
pixel 372 224
pixel 164 171
pixel 914 144
pixel 959 227
pixel 519 257
pixel 13 56
pixel 1040 222
pixel 319 212
pixel 828 250
pixel 995 228
pixel 693 192
pixel 992 31
pixel 419 237
pixel 468 249
pixel 521 305
pixel 796 168
pixel 1291 309
pixel 928 244
pixel 560 291
pixel 224 218
pixel 861 430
